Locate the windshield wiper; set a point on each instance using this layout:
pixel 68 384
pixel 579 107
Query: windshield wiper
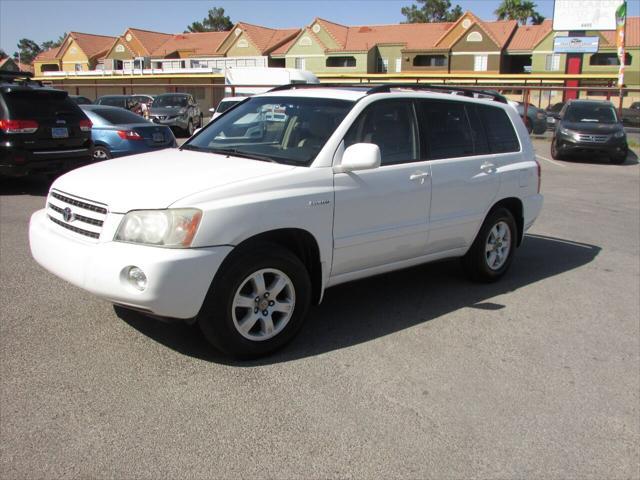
pixel 240 153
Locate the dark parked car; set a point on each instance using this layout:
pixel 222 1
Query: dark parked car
pixel 631 115
pixel 177 110
pixel 588 127
pixel 536 121
pixel 553 114
pixel 117 132
pixel 41 129
pixel 127 102
pixel 80 100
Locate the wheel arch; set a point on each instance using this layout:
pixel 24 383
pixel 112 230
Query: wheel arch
pixel 514 205
pixel 300 242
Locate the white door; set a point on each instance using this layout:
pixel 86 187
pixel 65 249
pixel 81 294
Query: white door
pixel 381 215
pixel 465 168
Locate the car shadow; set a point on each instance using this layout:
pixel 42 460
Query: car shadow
pixel 364 310
pixel 632 159
pixel 32 185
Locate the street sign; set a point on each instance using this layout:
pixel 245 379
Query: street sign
pixel 576 44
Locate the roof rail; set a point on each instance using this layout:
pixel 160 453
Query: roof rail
pixel 466 91
pixel 9 74
pixel 371 88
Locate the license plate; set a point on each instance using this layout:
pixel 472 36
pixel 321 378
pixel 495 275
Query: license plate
pixel 59 132
pixel 158 137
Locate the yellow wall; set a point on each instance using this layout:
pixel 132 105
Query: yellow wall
pixel 73 55
pixel 236 51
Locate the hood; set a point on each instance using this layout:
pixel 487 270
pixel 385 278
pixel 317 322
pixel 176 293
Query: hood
pixel 590 127
pixel 166 110
pixel 158 179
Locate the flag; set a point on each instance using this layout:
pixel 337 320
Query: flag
pixel 621 18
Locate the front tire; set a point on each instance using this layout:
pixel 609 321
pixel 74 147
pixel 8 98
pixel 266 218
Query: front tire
pixel 257 302
pixel 492 251
pixel 189 131
pixel 555 154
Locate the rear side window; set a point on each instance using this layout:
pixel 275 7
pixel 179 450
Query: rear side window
pixel 447 130
pixel 118 116
pixel 500 133
pixel 40 104
pixel 391 125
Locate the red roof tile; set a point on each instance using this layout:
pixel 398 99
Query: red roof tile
pixel 47 55
pixel 266 39
pixel 202 43
pixel 527 37
pixel 91 45
pixel 150 40
pixel 632 34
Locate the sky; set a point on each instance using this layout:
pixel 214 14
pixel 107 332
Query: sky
pixel 42 20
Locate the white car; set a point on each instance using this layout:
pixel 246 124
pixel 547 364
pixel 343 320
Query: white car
pixel 248 223
pixel 224 105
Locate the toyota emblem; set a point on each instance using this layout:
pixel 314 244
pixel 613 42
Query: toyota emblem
pixel 67 215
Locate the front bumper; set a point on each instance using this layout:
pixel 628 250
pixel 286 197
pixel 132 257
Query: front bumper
pixel 569 145
pixel 177 279
pixel 179 122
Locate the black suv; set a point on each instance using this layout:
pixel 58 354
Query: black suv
pixel 41 129
pixel 588 127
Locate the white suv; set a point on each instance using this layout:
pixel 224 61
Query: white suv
pixel 257 214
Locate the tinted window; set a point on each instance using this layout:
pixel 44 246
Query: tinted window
pixel 117 116
pixel 112 101
pixel 500 133
pixel 40 104
pixel 447 129
pixel 390 125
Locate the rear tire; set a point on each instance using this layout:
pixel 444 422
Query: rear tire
pixel 257 303
pixel 100 153
pixel 189 131
pixel 492 251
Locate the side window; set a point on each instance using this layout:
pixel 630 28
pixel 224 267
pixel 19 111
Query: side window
pixel 391 125
pixel 447 130
pixel 478 134
pixel 500 133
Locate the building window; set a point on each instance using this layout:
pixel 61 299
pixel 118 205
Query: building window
pixel 300 63
pixel 552 62
pixel 474 37
pixel 398 65
pixel 78 67
pixel 243 43
pixel 383 65
pixel 341 62
pixel 119 49
pixel 49 67
pixel 305 42
pixel 608 59
pixel 480 63
pixel 429 60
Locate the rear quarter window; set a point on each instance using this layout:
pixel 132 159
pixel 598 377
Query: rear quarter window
pixel 118 116
pixel 501 135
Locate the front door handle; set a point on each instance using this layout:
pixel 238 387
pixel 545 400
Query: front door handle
pixel 488 167
pixel 419 176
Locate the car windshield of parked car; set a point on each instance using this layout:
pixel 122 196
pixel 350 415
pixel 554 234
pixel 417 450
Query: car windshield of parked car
pixel 225 105
pixel 115 116
pixel 288 130
pixel 112 101
pixel 170 101
pixel 591 114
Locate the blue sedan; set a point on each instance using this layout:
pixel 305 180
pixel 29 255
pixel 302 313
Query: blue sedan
pixel 117 132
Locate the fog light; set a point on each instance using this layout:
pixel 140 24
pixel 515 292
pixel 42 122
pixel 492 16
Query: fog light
pixel 137 278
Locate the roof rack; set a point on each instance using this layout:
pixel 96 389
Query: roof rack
pixel 20 78
pixel 371 88
pixel 9 74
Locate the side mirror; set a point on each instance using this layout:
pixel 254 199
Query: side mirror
pixel 359 156
pixel 212 109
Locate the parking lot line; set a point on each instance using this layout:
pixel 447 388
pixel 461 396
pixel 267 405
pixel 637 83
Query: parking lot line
pixel 551 161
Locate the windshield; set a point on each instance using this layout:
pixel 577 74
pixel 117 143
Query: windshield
pixel 170 101
pixel 591 114
pixel 288 130
pixel 111 101
pixel 225 105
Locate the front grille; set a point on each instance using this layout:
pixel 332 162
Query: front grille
pixel 587 138
pixel 78 215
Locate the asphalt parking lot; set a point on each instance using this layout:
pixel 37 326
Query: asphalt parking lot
pixel 413 374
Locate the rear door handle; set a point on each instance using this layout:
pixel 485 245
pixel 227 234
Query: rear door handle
pixel 488 167
pixel 419 176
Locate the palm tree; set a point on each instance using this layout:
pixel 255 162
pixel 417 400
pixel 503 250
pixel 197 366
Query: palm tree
pixel 520 10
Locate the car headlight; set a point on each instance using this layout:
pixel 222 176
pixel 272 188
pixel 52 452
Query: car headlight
pixel 566 131
pixel 183 111
pixel 172 228
pixel 619 134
